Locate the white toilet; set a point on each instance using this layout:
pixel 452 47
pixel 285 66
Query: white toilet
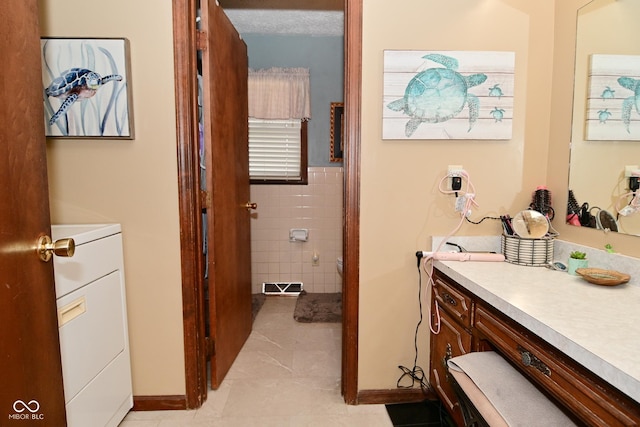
pixel 340 265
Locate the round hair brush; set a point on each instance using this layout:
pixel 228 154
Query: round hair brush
pixel 541 202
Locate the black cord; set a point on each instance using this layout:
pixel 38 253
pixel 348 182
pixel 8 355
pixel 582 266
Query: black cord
pixel 480 222
pixel 460 248
pixel 416 373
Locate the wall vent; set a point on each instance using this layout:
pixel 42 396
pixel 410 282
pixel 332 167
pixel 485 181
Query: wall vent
pixel 282 288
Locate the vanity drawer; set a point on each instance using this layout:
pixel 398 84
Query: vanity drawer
pixel 451 341
pixel 591 399
pixel 454 302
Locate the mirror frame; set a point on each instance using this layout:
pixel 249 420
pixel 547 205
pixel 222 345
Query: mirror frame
pixel 337 132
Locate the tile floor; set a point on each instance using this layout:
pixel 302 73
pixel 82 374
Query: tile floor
pixel 287 374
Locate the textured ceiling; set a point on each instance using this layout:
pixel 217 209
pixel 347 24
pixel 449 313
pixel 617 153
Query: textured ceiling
pixel 279 21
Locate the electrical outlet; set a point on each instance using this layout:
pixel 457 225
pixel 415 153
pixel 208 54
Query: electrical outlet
pixel 453 170
pixel 629 169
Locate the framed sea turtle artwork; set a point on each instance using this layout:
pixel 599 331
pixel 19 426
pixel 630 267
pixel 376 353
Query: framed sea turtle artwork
pixel 613 98
pixel 87 88
pixel 448 94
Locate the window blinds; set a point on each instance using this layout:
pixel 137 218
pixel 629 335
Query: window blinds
pixel 274 149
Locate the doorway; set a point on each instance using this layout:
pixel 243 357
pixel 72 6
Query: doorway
pixel 185 39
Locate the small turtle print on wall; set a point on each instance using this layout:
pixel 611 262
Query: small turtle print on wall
pixel 86 88
pixel 613 99
pixel 448 95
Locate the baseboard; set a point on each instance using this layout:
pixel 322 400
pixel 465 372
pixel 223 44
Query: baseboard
pixel 159 403
pixel 396 395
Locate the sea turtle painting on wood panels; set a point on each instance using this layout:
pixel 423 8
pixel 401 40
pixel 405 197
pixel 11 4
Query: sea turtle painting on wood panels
pixel 448 95
pixel 613 98
pixel 86 88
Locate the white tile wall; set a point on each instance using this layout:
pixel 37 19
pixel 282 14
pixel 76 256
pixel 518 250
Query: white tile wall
pixel 317 206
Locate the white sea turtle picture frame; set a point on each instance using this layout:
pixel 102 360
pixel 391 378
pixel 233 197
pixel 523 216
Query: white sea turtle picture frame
pixel 448 94
pixel 87 88
pixel 613 98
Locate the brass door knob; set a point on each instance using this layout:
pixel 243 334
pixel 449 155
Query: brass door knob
pixel 62 247
pixel 251 206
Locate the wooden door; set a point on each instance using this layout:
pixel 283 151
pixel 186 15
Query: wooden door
pixel 31 392
pixel 225 74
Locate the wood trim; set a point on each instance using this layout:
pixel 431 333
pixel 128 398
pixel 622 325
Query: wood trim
pixel 189 207
pixel 191 257
pixel 350 291
pixel 304 150
pixel 159 403
pixel 396 395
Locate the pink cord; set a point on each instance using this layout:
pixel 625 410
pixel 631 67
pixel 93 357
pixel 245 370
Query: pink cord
pixel 632 206
pixel 429 272
pixel 469 194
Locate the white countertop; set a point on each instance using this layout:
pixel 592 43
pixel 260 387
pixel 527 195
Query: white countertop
pixel 597 326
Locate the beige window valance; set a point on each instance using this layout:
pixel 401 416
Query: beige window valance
pixel 279 93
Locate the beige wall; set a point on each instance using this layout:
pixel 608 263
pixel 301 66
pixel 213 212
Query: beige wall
pixel 401 206
pixel 134 182
pixel 131 182
pixel 400 203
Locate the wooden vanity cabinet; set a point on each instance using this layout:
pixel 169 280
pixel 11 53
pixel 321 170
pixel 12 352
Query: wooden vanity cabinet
pixel 582 393
pixel 453 315
pixel 470 324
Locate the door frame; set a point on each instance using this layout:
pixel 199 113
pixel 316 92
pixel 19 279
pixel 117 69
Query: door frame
pixel 190 204
pixel 351 232
pixel 190 201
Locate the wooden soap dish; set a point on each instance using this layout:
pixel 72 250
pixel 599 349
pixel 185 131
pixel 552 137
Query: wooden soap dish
pixel 603 277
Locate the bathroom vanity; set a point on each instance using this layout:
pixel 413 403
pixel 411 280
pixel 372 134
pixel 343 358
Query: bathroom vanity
pixel 577 341
pixel 92 321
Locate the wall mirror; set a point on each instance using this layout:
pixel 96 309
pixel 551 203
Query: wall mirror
pixel 607 39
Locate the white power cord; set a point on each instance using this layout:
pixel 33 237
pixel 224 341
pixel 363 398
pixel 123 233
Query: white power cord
pixel 633 206
pixel 465 199
pixel 468 197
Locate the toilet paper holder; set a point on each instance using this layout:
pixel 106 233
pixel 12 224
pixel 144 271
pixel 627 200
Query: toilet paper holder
pixel 299 235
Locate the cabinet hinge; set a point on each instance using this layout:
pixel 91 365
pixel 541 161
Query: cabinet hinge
pixel 205 199
pixel 201 40
pixel 209 347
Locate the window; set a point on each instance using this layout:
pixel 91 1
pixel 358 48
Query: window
pixel 277 151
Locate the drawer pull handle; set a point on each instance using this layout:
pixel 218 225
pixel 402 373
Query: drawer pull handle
pixel 447 355
pixel 529 359
pixel 72 310
pixel 449 299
